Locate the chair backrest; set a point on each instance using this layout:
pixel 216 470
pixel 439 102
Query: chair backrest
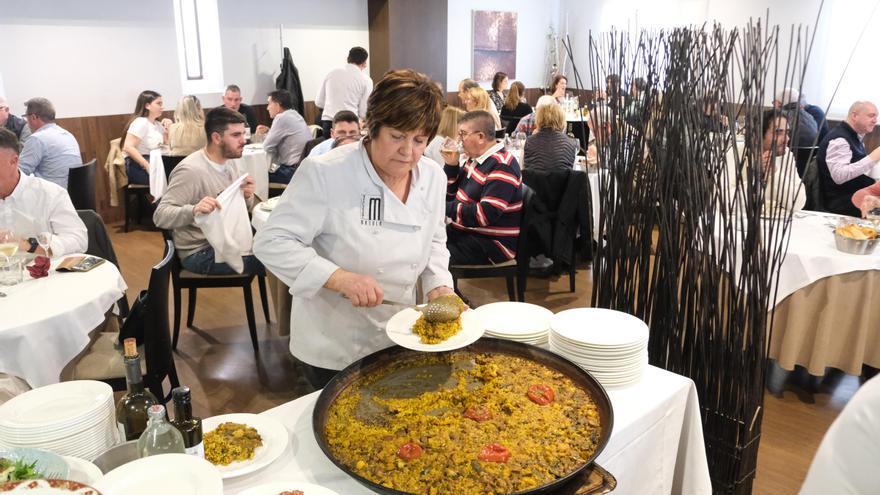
pixel 171 161
pixel 81 186
pixel 812 187
pixel 157 335
pixel 100 245
pixel 317 131
pixel 310 144
pixel 522 242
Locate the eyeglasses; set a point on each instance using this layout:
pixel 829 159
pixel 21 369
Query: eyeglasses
pixel 464 134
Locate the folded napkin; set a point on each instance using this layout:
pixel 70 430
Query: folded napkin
pixel 158 181
pixel 228 229
pixel 40 268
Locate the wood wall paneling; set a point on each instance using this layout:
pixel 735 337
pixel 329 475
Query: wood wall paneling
pixel 378 15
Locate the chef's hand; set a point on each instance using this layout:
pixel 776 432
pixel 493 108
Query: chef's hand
pixel 361 290
pixel 206 205
pixel 439 291
pixel 248 187
pixel 261 129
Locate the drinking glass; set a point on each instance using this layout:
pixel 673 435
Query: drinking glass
pixel 44 239
pixel 10 270
pixel 873 216
pixel 8 243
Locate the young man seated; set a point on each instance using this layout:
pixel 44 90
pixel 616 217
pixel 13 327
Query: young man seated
pixel 346 129
pixel 193 188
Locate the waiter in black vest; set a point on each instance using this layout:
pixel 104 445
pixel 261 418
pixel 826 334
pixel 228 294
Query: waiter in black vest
pixel 843 161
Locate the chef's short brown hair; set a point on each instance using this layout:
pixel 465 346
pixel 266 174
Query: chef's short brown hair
pixel 404 100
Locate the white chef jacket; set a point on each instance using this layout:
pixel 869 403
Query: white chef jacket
pixel 337 213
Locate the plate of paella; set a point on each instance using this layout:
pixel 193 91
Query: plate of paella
pixel 410 329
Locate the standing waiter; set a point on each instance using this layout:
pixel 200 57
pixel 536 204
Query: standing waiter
pixel 346 88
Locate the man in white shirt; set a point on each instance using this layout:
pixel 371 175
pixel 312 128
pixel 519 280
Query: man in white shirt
pixel 30 205
pixel 346 129
pixel 346 88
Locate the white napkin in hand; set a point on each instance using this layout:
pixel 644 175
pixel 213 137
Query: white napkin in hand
pixel 228 229
pixel 158 181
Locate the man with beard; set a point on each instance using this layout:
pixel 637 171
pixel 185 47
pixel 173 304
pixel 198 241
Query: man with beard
pixel 193 188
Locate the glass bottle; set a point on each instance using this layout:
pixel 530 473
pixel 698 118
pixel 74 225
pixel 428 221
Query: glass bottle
pixel 160 437
pixel 131 410
pixel 188 425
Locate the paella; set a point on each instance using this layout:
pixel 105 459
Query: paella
pixel 464 423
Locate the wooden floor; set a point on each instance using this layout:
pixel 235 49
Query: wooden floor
pixel 217 361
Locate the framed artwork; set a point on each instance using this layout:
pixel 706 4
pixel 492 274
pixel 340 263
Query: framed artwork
pixel 494 41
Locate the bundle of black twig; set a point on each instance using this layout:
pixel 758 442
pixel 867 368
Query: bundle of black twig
pixel 695 206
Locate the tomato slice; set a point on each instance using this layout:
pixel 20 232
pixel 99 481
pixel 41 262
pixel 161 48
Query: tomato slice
pixel 541 394
pixel 410 451
pixel 478 413
pixel 494 452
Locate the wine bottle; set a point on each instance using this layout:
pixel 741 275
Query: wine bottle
pixel 188 425
pixel 160 437
pixel 131 410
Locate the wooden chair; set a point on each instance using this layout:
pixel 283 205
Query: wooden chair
pixel 81 186
pixel 317 131
pixel 104 361
pixel 137 193
pixel 185 279
pixel 515 271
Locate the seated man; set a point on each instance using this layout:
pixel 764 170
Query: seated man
pixel 13 122
pixel 30 205
pixel 287 137
pixel 483 195
pixel 527 124
pixel 782 184
pixel 346 129
pixel 843 161
pixel 192 190
pixel 51 151
pixel 232 101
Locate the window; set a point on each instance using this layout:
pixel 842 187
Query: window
pixel 198 46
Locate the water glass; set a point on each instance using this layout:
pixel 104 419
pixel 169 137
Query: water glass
pixel 10 270
pixel 44 239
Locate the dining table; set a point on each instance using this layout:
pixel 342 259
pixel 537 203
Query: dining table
pixel 827 311
pixel 46 322
pixel 656 444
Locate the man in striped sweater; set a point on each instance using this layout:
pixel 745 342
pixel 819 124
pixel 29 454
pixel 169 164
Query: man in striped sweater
pixel 483 195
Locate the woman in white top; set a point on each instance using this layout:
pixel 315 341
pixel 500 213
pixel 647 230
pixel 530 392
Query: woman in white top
pixel 144 133
pixel 187 134
pixel 448 129
pixel 365 221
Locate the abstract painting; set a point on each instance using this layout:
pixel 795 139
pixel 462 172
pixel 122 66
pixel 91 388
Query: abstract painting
pixel 494 44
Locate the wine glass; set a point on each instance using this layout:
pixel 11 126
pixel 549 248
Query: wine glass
pixel 8 243
pixel 44 239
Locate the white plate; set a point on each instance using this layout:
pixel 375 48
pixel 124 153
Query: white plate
pixel 399 330
pixel 276 487
pixel 515 319
pixel 53 487
pixel 165 474
pixel 275 437
pixel 82 470
pixel 54 406
pixel 599 327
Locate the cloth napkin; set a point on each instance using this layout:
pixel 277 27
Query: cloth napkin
pixel 40 268
pixel 158 181
pixel 228 229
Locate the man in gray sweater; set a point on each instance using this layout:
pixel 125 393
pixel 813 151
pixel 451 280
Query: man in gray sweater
pixel 193 188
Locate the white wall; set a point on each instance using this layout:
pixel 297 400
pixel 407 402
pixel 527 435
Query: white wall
pixel 93 57
pixel 534 20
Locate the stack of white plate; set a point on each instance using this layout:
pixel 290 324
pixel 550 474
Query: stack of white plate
pixel 72 418
pixel 611 345
pixel 520 322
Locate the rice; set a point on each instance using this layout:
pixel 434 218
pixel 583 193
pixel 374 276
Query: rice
pixel 436 332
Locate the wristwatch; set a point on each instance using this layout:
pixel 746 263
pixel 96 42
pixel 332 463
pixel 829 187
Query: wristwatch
pixel 34 244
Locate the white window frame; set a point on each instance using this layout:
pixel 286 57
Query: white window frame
pixel 199 54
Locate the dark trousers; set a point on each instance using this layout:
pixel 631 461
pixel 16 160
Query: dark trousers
pixel 283 174
pixel 465 249
pixel 203 262
pixel 326 125
pixel 136 173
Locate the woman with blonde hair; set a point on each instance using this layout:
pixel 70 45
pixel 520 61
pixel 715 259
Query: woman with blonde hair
pixel 549 148
pixel 448 129
pixel 478 99
pixel 515 107
pixel 187 134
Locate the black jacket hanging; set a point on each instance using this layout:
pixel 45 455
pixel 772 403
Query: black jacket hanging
pixel 289 80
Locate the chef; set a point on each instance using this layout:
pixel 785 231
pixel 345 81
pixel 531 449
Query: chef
pixel 361 224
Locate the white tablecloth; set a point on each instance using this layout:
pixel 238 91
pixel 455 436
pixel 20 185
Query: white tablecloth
pixel 656 446
pixel 45 323
pixel 812 254
pixel 255 161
